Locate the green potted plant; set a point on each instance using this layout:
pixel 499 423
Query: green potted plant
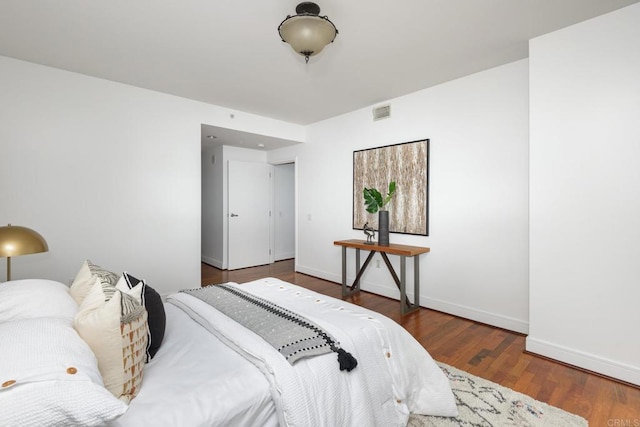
pixel 376 202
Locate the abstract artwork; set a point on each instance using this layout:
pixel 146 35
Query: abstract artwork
pixel 408 165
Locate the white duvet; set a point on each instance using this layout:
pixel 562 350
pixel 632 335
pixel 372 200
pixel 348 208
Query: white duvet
pixel 395 375
pixel 195 380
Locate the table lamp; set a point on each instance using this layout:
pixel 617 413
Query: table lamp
pixel 16 240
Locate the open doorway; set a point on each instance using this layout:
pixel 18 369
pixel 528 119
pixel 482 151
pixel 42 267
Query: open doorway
pixel 284 211
pixel 217 153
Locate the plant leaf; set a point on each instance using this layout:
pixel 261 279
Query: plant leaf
pixel 390 193
pixel 372 199
pixel 392 188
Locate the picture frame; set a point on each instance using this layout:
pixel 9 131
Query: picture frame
pixel 405 163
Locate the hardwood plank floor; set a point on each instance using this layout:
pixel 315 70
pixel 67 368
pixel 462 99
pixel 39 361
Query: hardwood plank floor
pixel 488 352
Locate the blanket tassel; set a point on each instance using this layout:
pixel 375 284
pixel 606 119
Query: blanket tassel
pixel 346 360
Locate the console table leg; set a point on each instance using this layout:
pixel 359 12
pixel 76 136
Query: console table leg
pixel 355 287
pixel 344 271
pixel 405 305
pixel 356 284
pixel 403 285
pixel 416 280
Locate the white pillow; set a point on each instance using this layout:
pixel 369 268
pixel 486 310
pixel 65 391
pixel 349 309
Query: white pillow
pixel 135 292
pixel 83 281
pixel 31 298
pixel 49 376
pixel 114 324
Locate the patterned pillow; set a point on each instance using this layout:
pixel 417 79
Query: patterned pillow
pixel 49 376
pixel 81 285
pixel 114 324
pixel 155 309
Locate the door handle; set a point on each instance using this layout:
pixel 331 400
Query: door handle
pixel 232 215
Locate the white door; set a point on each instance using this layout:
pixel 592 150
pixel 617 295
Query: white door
pixel 249 202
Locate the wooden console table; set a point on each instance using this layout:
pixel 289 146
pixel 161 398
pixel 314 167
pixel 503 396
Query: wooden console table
pixel 402 250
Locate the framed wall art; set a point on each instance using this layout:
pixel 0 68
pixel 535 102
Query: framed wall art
pixel 408 165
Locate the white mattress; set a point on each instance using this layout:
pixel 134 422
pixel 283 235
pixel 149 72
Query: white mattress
pixel 196 380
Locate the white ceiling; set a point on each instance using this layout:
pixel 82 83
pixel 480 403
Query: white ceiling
pixel 228 53
pixel 215 136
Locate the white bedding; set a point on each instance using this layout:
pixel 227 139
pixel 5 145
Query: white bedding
pixel 196 380
pixel 394 376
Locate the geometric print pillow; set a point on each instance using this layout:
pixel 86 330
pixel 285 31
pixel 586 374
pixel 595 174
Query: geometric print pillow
pixel 157 317
pixel 114 324
pixel 83 281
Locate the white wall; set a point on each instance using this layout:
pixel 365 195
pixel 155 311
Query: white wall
pixel 478 127
pixel 284 211
pixel 108 172
pixel 585 195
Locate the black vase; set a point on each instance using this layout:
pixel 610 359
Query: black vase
pixel 383 228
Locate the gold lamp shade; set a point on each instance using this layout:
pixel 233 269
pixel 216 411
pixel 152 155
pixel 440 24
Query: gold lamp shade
pixel 16 240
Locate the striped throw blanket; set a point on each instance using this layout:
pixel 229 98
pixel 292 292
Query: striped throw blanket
pixel 294 336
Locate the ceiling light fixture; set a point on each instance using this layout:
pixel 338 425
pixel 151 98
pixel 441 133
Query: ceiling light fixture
pixel 307 32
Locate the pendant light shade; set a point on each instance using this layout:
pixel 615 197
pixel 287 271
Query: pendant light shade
pixel 307 32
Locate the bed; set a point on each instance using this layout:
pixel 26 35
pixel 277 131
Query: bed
pixel 209 370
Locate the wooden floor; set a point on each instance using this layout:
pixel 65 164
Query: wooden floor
pixel 485 351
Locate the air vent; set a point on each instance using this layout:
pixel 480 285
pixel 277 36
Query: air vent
pixel 383 112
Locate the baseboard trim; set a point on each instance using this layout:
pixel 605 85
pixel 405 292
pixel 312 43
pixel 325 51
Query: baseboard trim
pixel 493 319
pixel 212 261
pixel 580 359
pixel 285 255
pixel 317 273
